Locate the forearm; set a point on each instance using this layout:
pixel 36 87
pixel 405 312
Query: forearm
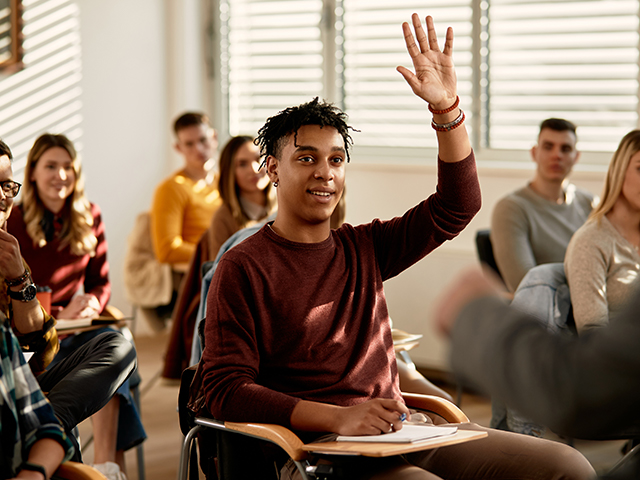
pixel 454 145
pixel 46 452
pixel 315 417
pixel 27 316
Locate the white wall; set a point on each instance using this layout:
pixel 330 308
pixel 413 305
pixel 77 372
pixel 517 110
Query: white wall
pixel 126 135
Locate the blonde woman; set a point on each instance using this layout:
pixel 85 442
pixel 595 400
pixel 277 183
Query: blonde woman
pixel 61 236
pixel 245 191
pixel 602 259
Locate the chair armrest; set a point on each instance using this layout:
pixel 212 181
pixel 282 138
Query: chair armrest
pixel 437 405
pixel 77 471
pixel 281 436
pixel 113 312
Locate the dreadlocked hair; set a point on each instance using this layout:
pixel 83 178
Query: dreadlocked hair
pixel 273 134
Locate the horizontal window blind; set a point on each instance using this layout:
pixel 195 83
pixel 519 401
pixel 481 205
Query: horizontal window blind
pixel 572 59
pixel 273 58
pixel 45 95
pixel 378 100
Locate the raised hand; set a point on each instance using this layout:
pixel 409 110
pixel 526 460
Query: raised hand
pixel 434 79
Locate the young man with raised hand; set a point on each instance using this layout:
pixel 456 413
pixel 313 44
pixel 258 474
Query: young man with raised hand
pixel 297 328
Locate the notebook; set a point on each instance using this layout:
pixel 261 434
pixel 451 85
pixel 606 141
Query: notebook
pixel 408 434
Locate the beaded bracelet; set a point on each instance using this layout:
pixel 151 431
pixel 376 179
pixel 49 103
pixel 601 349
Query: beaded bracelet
pixel 447 110
pixel 446 127
pixel 17 281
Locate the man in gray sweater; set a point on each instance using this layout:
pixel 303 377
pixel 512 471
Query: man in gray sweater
pixel 533 225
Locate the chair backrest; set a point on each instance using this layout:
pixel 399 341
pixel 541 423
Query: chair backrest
pixel 485 250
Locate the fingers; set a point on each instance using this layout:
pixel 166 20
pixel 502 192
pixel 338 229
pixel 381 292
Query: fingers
pixel 412 48
pixel 448 44
pixel 421 36
pixel 431 29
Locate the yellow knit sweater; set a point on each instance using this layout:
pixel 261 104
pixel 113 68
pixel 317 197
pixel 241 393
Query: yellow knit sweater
pixel 181 212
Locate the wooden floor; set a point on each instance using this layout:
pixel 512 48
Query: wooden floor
pixel 160 418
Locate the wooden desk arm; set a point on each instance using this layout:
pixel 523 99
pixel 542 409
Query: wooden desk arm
pixel 290 443
pixel 437 405
pixel 77 471
pixel 114 312
pixel 281 436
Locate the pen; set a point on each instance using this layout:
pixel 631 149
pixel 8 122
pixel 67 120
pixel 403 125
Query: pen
pixel 403 417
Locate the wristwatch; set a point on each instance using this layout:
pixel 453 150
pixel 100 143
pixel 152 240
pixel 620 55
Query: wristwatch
pixel 33 467
pixel 27 293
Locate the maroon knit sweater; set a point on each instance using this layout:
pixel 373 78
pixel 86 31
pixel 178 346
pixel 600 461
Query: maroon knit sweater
pixel 288 321
pixel 59 269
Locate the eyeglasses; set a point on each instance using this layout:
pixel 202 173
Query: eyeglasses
pixel 10 188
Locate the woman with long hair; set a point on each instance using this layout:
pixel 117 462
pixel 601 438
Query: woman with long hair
pixel 603 258
pixel 245 191
pixel 61 236
pixel 247 198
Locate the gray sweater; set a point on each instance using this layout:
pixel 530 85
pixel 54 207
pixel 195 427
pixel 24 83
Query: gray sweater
pixel 600 266
pixel 528 230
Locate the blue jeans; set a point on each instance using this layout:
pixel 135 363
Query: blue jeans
pixel 544 293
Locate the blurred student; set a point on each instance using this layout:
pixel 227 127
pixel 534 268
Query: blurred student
pixel 84 382
pixel 184 203
pixel 534 224
pixel 603 256
pixel 61 234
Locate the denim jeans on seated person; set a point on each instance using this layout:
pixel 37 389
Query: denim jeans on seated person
pixel 544 293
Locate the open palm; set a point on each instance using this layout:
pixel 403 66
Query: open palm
pixel 434 79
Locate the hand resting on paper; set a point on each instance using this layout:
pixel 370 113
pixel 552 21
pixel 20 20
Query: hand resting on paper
pixel 81 306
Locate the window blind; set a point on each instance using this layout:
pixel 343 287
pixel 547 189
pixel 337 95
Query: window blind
pixel 273 58
pixel 45 95
pixel 572 59
pixel 378 100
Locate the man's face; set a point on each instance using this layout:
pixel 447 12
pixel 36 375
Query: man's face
pixel 197 143
pixel 6 203
pixel 555 154
pixel 310 174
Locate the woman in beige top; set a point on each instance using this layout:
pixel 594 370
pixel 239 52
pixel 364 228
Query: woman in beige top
pixel 245 191
pixel 602 259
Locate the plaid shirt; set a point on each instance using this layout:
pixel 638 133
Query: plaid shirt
pixel 26 416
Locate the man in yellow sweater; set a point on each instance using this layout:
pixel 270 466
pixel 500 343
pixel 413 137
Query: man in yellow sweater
pixel 184 203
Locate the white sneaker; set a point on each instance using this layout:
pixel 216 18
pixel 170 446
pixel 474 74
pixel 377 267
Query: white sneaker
pixel 110 470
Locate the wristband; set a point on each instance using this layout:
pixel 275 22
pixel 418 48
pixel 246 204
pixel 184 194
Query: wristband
pixel 17 281
pixel 33 467
pixel 446 127
pixel 446 110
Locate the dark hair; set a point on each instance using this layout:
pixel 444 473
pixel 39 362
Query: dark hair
pixel 188 119
pixel 5 150
pixel 272 135
pixel 558 124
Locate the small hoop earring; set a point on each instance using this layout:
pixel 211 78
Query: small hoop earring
pixel 275 184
